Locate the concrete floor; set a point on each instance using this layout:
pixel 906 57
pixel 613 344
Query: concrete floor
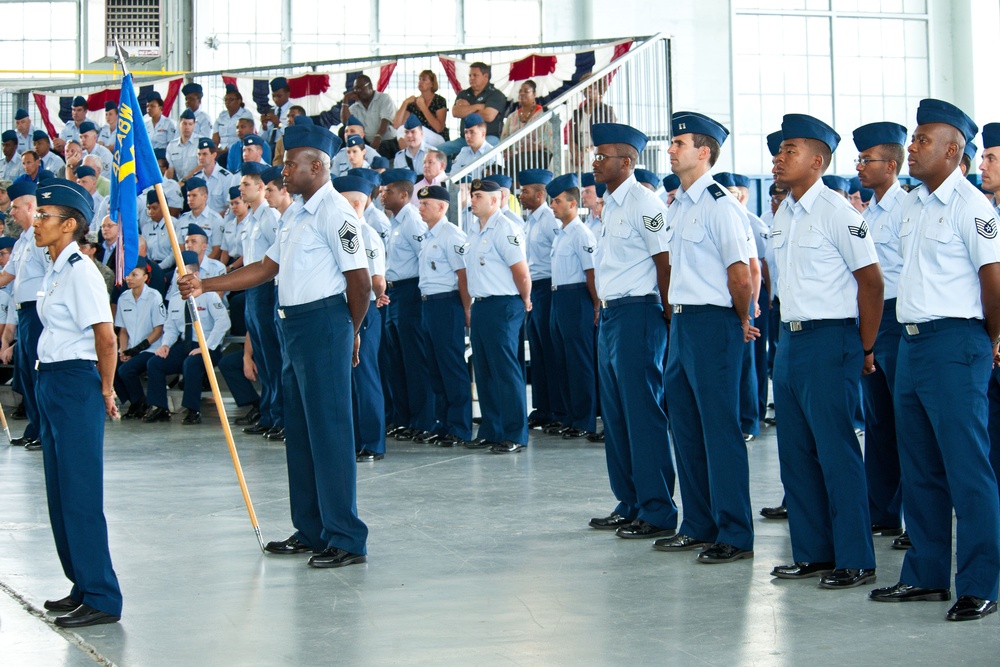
pixel 474 559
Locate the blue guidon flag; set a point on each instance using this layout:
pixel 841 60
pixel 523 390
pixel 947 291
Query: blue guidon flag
pixel 134 170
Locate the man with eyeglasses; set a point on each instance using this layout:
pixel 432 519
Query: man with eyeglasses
pixel 880 160
pixel 376 111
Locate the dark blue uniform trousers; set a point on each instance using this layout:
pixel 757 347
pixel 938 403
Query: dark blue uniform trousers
pixel 774 333
pixel 749 410
pixel 178 360
pixel 407 349
pixel 71 421
pixel 702 379
pixel 631 352
pixel 760 354
pixel 393 414
pixel 368 403
pixel 128 379
pixel 444 323
pixel 242 389
pixel 941 418
pixel 29 328
pixel 993 394
pixel 319 426
pixel 496 321
pixel 545 399
pixel 815 387
pixel 263 332
pixel 885 496
pixel 572 328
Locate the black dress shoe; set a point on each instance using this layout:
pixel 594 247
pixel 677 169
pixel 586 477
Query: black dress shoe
pixel 555 428
pixel 612 522
pixel 136 411
pixel 449 441
pixel 392 430
pixel 643 530
pixel 21 442
pixel 426 437
pixel 334 557
pixel 905 593
pixel 574 433
pixel 65 604
pixel 275 434
pixel 19 412
pixel 506 447
pixel 969 608
pixel 477 420
pixel 720 552
pixel 33 445
pixel 406 434
pixel 534 422
pixel 779 512
pixel 596 437
pixel 256 429
pixel 902 542
pixel 480 443
pixel 886 531
pixel 287 547
pixel 770 421
pixel 156 414
pixel 802 570
pixel 679 543
pixel 365 456
pixel 83 616
pixel 847 578
pixel 192 417
pixel 251 417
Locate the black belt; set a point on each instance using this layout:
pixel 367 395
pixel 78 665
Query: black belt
pixel 915 329
pixel 24 304
pixel 403 283
pixel 570 286
pixel 806 325
pixel 442 295
pixel 285 311
pixel 497 296
pixel 700 308
pixel 626 300
pixel 63 365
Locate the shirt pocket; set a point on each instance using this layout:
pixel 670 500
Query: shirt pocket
pixel 939 231
pixel 693 233
pixel 812 259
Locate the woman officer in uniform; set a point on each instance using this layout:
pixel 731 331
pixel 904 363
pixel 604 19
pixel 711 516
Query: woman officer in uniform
pixel 76 369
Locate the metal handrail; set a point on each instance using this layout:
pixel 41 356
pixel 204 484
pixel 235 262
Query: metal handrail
pixel 554 106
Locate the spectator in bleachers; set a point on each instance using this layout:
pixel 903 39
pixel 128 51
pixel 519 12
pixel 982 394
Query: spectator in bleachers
pixel 219 179
pixel 224 130
pixel 355 148
pixel 32 167
pixel 339 165
pixel 88 141
pixel 254 150
pixel 43 146
pixel 376 111
pixel 74 158
pixel 274 121
pixel 592 110
pixel 201 216
pixel 140 319
pixel 193 94
pixel 10 163
pixel 476 146
pixel 157 280
pixel 411 155
pixel 87 177
pixel 161 129
pixel 429 108
pixel 25 130
pixel 106 137
pixel 535 151
pixel 88 246
pixel 179 352
pixel 279 146
pixel 10 227
pixel 103 184
pixel 71 130
pixel 182 152
pixel 434 165
pixel 484 100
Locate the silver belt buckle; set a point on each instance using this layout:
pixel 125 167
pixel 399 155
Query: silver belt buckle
pixel 604 303
pixel 554 288
pixel 281 313
pixel 912 329
pixel 678 308
pixel 795 326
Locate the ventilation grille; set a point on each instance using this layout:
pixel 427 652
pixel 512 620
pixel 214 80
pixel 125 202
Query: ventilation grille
pixel 136 24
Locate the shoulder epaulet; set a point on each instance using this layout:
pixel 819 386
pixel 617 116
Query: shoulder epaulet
pixel 224 171
pixel 74 258
pixel 716 190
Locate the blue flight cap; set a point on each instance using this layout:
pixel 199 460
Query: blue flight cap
pixel 484 185
pixel 353 120
pixel 195 230
pixel 370 175
pixel 20 114
pixel 355 140
pixel 741 181
pixel 205 142
pixel 854 185
pixel 234 192
pixel 195 182
pixel 309 136
pixel 160 153
pixel 587 179
pixel 866 194
pixel 774 143
pixel 876 134
pixel 272 173
pixel 725 179
pixel 801 126
pixel 396 175
pixel 561 184
pixel 252 140
pixel 84 170
pixel 671 182
pixel 534 177
pixel 154 97
pixel 231 88
pixel 6 242
pixel 970 150
pixel 151 197
pixel 79 101
pixel 44 175
pixel 87 126
pixel 380 162
pixel 190 88
pixel 39 135
pixel 187 114
pixel 836 182
pixel 601 188
pixel 254 168
pixel 190 257
pixel 109 105
pixel 434 192
pixel 352 184
pixel 473 119
pixel 616 133
pixel 300 120
pixel 646 176
pixel 503 180
pixel 690 122
pixel 9 135
pixel 278 82
pixel 21 188
pixel 412 122
pixel 991 135
pixel 939 111
pixel 60 192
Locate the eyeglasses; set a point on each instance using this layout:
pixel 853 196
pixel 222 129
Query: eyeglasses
pixel 601 157
pixel 41 216
pixel 863 161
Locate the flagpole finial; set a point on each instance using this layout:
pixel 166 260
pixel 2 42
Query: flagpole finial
pixel 120 56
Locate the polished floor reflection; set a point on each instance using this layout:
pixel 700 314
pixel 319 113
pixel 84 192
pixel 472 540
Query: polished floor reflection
pixel 473 559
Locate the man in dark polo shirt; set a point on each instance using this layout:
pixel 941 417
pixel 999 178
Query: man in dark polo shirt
pixel 481 98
